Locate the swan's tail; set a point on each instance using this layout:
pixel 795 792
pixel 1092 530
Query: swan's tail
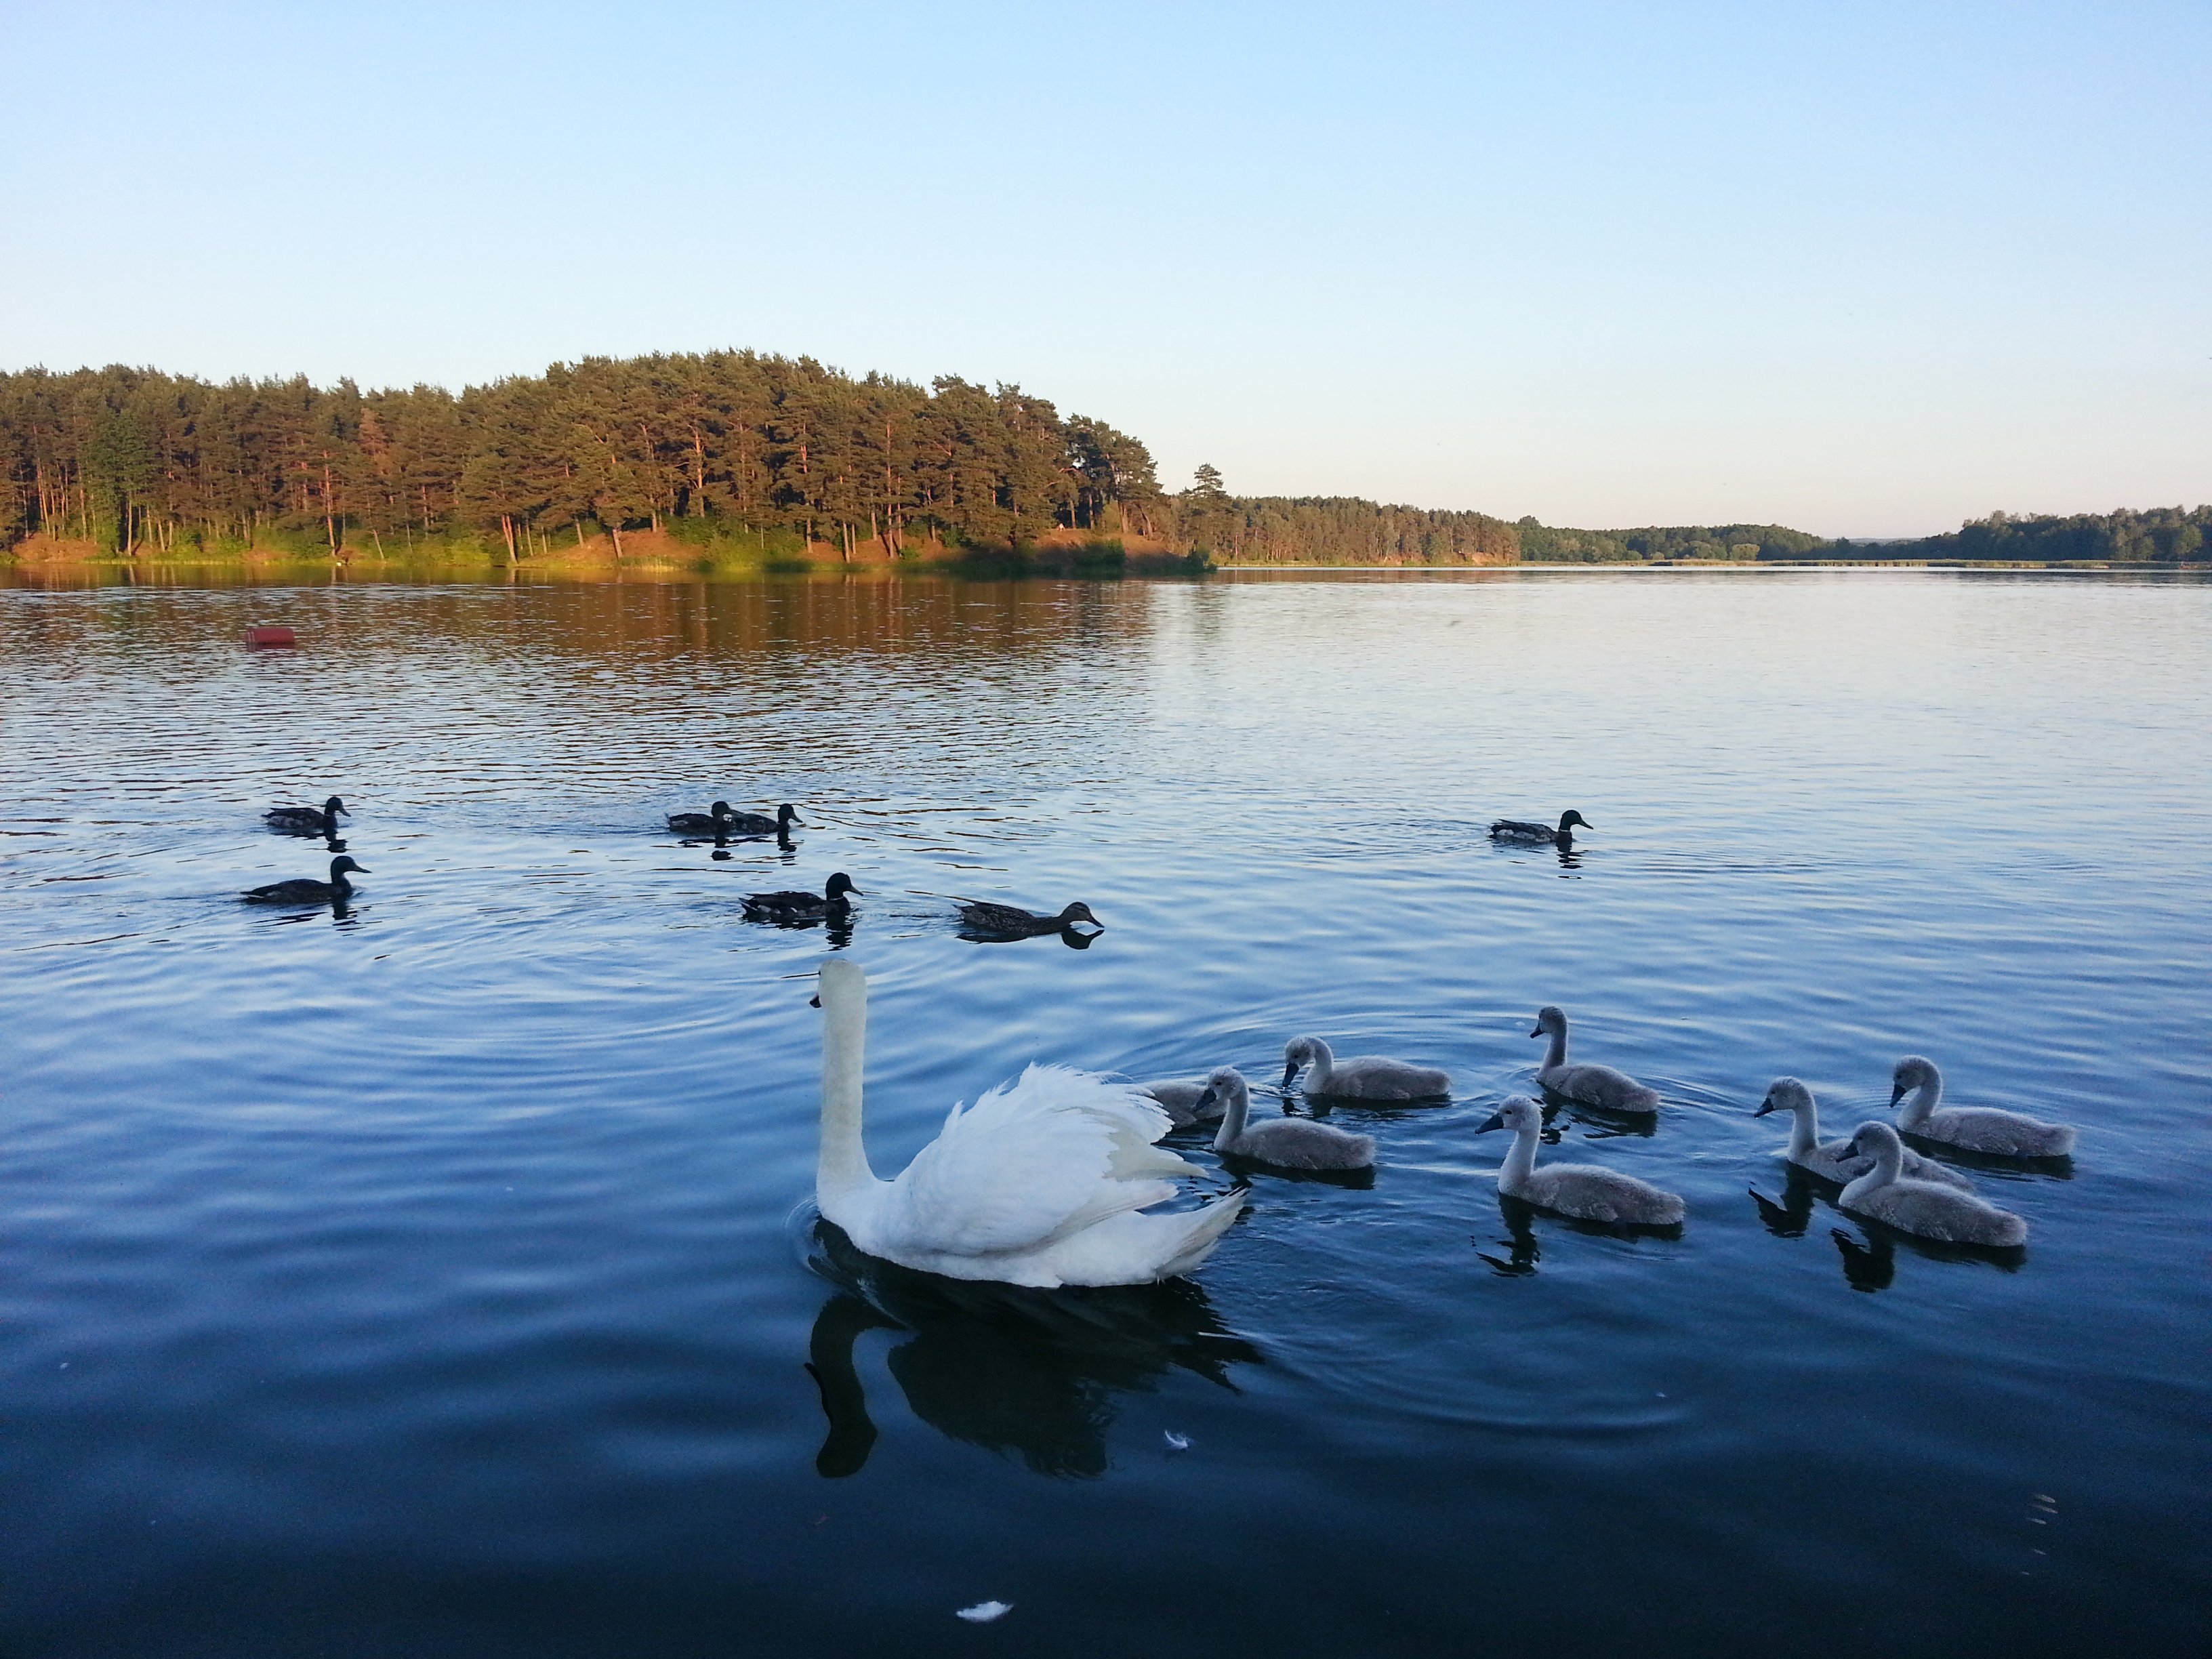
pixel 1204 1232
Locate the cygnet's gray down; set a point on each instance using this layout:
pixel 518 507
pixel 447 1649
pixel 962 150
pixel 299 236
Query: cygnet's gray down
pixel 1976 1128
pixel 1179 1098
pixel 1593 1085
pixel 1787 1094
pixel 1575 1189
pixel 1921 1207
pixel 1364 1077
pixel 1288 1142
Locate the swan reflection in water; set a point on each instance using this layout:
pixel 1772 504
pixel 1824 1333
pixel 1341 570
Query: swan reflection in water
pixel 1523 1252
pixel 1029 1373
pixel 1869 1264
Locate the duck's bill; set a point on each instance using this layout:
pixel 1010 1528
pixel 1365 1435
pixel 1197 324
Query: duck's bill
pixel 1199 1106
pixel 1764 1107
pixel 1290 1073
pixel 1495 1120
pixel 1896 1093
pixel 814 1001
pixel 1539 1031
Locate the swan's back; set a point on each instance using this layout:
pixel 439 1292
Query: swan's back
pixel 1928 1211
pixel 1593 1194
pixel 1600 1085
pixel 1377 1077
pixel 1299 1143
pixel 1991 1129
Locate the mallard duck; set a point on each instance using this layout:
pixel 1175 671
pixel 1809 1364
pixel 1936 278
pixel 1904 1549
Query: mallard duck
pixel 1043 1181
pixel 307 820
pixel 302 889
pixel 1593 1085
pixel 1012 920
pixel 1288 1142
pixel 1542 834
pixel 798 906
pixel 1787 1094
pixel 1364 1077
pixel 1584 1190
pixel 759 824
pixel 1972 1129
pixel 1921 1207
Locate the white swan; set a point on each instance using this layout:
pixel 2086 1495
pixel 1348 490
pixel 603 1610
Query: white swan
pixel 1921 1207
pixel 1179 1097
pixel 1575 1189
pixel 1364 1077
pixel 1787 1094
pixel 1288 1142
pixel 1038 1183
pixel 1976 1128
pixel 1593 1085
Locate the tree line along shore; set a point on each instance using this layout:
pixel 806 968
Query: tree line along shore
pixel 737 457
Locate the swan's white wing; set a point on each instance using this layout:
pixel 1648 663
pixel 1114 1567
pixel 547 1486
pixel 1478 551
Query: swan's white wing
pixel 1031 1162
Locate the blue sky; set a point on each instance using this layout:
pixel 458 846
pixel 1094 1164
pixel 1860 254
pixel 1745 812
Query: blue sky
pixel 1863 268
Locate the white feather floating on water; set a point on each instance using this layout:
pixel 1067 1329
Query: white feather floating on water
pixel 984 1612
pixel 1178 1442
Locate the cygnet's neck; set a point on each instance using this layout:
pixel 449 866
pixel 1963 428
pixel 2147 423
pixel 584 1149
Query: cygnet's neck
pixel 1319 1069
pixel 1556 1056
pixel 1921 1101
pixel 1234 1110
pixel 842 1170
pixel 1520 1162
pixel 1804 1129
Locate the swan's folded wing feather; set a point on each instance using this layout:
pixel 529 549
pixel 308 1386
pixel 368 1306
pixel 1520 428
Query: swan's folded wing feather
pixel 1056 1151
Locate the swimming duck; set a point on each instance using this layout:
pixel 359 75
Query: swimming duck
pixel 1013 920
pixel 1593 1085
pixel 1364 1077
pixel 1288 1142
pixel 1541 834
pixel 1787 1094
pixel 759 824
pixel 1584 1190
pixel 307 820
pixel 1043 1181
pixel 302 889
pixel 797 906
pixel 714 821
pixel 1921 1207
pixel 1975 1128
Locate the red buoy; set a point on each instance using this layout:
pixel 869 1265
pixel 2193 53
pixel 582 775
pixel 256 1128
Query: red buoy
pixel 270 636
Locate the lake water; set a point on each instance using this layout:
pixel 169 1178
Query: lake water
pixel 437 1279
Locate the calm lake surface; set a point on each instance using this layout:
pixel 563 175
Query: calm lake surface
pixel 438 1279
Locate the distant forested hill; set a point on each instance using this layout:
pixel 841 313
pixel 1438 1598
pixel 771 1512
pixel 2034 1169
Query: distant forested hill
pixel 738 447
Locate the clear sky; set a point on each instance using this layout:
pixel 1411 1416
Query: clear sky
pixel 1866 269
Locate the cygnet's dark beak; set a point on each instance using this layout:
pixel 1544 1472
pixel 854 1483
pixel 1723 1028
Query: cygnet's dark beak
pixel 1896 1093
pixel 1539 1031
pixel 1290 1070
pixel 1495 1120
pixel 814 1001
pixel 1764 1107
pixel 1204 1100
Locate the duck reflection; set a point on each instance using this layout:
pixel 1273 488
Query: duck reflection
pixel 1031 1373
pixel 1522 1250
pixel 1793 1214
pixel 1872 1264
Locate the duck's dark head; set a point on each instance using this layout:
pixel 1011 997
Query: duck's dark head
pixel 786 816
pixel 342 864
pixel 334 808
pixel 720 808
pixel 1570 819
pixel 1079 912
pixel 839 885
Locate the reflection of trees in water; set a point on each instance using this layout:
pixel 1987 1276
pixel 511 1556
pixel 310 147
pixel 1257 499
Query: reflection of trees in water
pixel 1032 1373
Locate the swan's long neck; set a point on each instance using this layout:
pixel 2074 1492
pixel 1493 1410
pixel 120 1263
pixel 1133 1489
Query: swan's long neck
pixel 1234 1111
pixel 1324 1064
pixel 1921 1101
pixel 842 1167
pixel 1557 1056
pixel 1519 1163
pixel 1889 1162
pixel 1804 1129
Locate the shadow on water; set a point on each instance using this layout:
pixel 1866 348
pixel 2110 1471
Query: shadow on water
pixel 1034 1374
pixel 1869 1264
